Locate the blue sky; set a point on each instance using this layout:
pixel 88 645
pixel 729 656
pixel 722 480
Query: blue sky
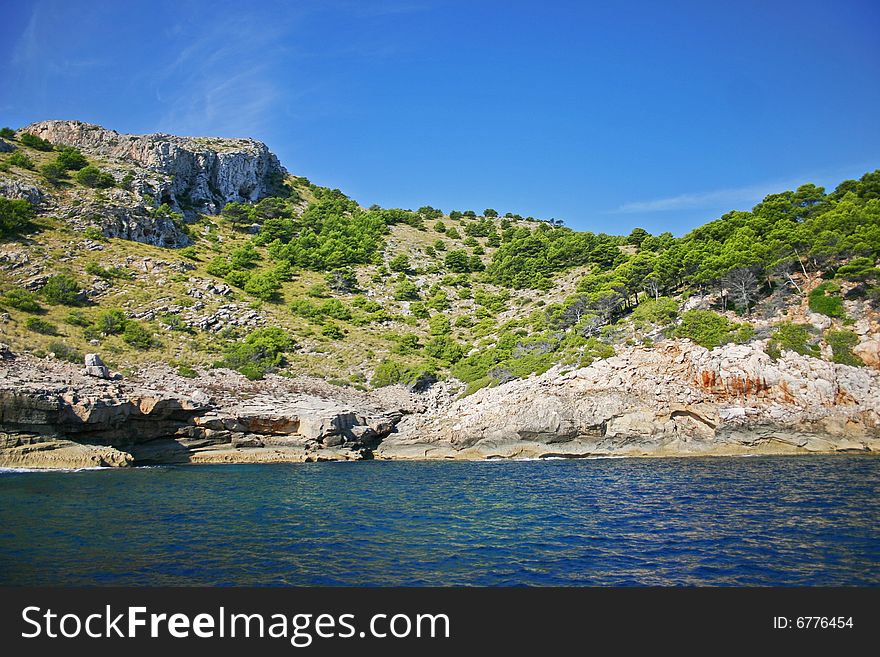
pixel 606 115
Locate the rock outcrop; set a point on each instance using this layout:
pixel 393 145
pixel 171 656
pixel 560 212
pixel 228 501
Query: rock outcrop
pixel 194 173
pixel 55 415
pixel 18 189
pixel 675 399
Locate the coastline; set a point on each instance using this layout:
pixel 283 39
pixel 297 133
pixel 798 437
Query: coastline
pixel 37 469
pixel 675 400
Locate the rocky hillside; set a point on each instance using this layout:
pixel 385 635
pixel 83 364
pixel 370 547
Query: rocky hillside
pixel 490 335
pixel 190 174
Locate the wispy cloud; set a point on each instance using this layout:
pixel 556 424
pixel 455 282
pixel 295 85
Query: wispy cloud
pixel 220 82
pixel 727 197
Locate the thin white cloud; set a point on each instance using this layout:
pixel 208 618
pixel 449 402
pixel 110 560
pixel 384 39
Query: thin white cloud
pixel 220 82
pixel 705 200
pixel 742 197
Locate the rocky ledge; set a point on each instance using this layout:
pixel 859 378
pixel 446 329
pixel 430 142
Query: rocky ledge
pixel 199 173
pixel 58 415
pixel 675 399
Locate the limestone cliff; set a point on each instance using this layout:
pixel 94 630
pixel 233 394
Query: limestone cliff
pixel 55 415
pixel 674 399
pixel 189 173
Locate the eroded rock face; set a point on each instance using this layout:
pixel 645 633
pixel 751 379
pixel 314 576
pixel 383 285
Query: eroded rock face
pixel 17 189
pixel 55 415
pixel 196 173
pixel 675 399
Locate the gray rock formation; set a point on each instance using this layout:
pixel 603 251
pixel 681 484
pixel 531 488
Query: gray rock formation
pixel 17 189
pixel 677 399
pixel 195 173
pixel 6 147
pixel 95 367
pixel 53 415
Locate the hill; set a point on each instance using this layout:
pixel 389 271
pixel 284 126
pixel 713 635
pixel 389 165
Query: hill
pixel 204 253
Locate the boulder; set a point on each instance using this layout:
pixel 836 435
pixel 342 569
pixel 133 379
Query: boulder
pixel 95 367
pixel 869 351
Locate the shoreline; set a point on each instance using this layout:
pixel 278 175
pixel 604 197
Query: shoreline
pixel 674 400
pixel 595 457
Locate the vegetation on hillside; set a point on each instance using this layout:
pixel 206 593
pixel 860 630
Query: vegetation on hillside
pixel 406 296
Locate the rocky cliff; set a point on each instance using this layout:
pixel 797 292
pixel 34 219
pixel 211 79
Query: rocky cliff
pixel 677 399
pixel 57 415
pixel 190 173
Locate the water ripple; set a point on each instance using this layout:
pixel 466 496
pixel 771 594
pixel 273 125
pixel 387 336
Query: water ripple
pixel 721 521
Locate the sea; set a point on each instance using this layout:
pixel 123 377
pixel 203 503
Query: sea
pixel 725 521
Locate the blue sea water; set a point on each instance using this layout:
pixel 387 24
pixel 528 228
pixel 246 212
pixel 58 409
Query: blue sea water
pixel 715 521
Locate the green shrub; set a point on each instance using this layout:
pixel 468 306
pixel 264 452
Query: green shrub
pixel 70 159
pixel 333 332
pixel 438 299
pixel 661 311
pixel 21 299
pixel 825 300
pixel 53 173
pixel 176 323
pixel 238 277
pixel 264 286
pixel 389 372
pixel 219 267
pixel 38 325
pixel 496 303
pixel 841 343
pixel 709 329
pixel 406 290
pixel 91 176
pixel 399 263
pixel 15 214
pixel 439 324
pixel 407 343
pixel 7 133
pixel 260 352
pixel 64 352
pixel 791 337
pixel 342 279
pixel 77 318
pixel 418 310
pixel 95 269
pixel 19 159
pixel 94 233
pixel 187 372
pixel 318 291
pixel 245 256
pixel 445 348
pixel 593 350
pixel 35 142
pixel 111 322
pixel 458 261
pixel 61 289
pixel 137 336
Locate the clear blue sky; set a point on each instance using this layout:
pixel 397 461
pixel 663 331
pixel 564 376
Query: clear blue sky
pixel 606 115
